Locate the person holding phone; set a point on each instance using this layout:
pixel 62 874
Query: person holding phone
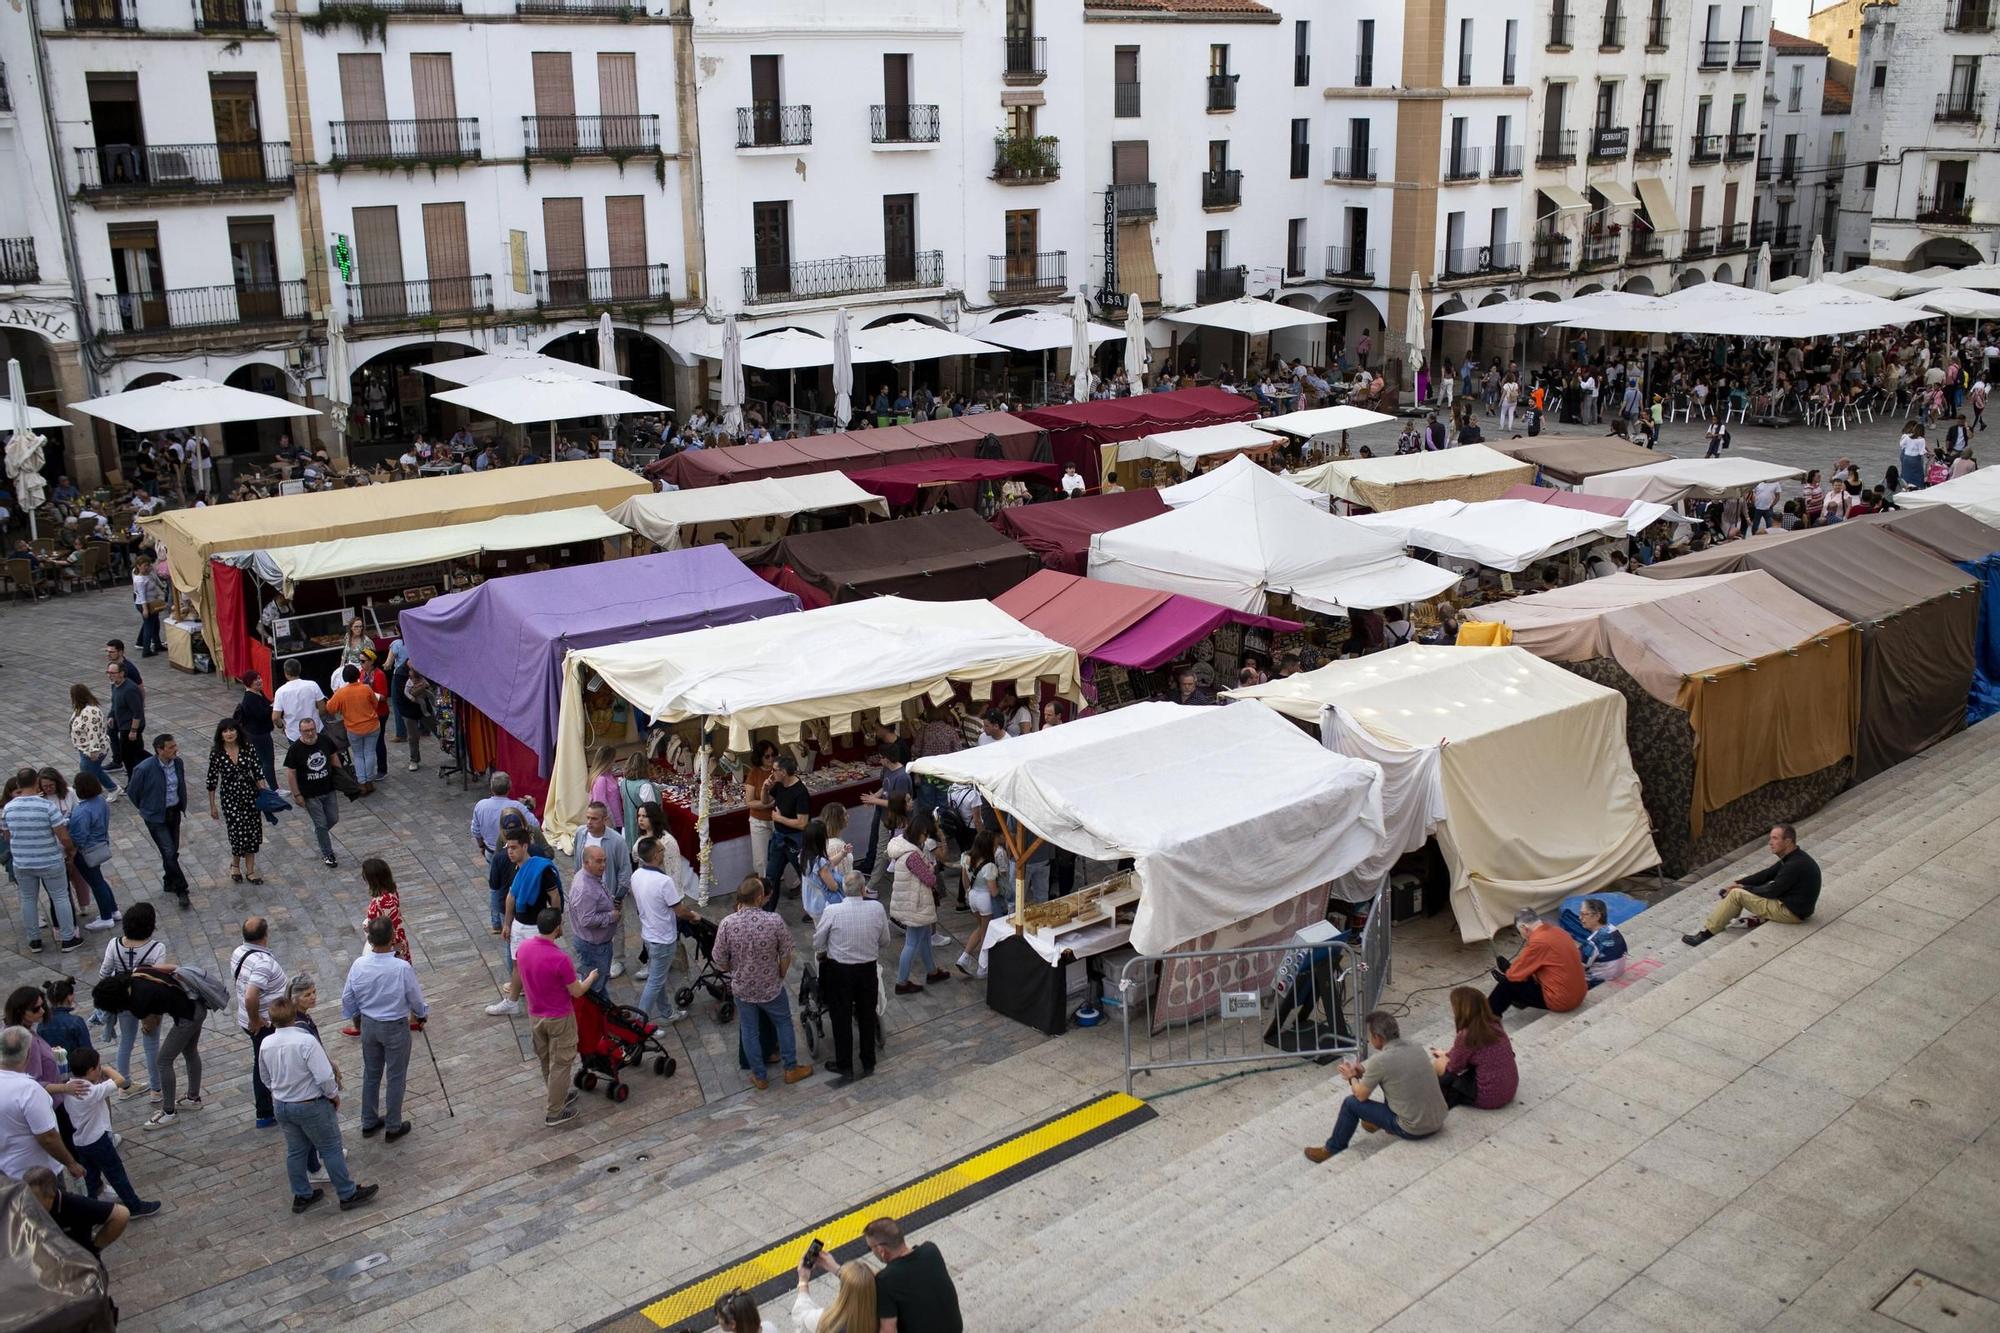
pixel 853 1307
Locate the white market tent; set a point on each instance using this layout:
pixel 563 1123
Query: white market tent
pixel 1197 488
pixel 1507 535
pixel 189 402
pixel 1525 311
pixel 1526 763
pixel 1225 812
pixel 1976 493
pixel 1468 472
pixel 288 566
pixel 906 340
pixel 1189 447
pixel 36 419
pixel 1974 277
pixel 512 363
pixel 1315 421
pixel 1250 539
pixel 1688 478
pixel 547 396
pixel 1041 331
pixel 662 518
pixel 1248 315
pixel 1959 303
pixel 830 664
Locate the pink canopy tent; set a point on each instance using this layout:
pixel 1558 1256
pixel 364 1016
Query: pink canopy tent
pixel 1126 626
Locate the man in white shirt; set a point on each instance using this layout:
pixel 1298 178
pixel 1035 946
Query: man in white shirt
pixel 297 698
pixel 1072 482
pixel 259 981
pixel 660 889
pixel 307 1095
pixel 28 1134
pixel 1763 500
pixel 850 935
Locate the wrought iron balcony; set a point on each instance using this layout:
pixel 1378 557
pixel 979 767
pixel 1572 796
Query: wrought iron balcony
pixel 1350 164
pixel 423 298
pixel 1700 241
pixel 1741 147
pixel 1558 146
pixel 1028 277
pixel 1749 53
pixel 771 125
pixel 433 8
pixel 1786 237
pixel 1646 246
pixel 1347 263
pixel 1135 199
pixel 1610 143
pixel 1657 28
pixel 1549 254
pixel 1655 141
pixel 1612 36
pixel 1462 165
pixel 1788 169
pixel 17 260
pixel 618 9
pixel 1733 236
pixel 1962 107
pixel 1221 189
pixel 1970 16
pixel 848 274
pixel 1714 53
pixel 1026 161
pixel 1125 100
pixel 201 308
pixel 1218 284
pixel 1763 168
pixel 1948 210
pixel 1474 260
pixel 228 16
pixel 1222 92
pixel 1762 232
pixel 1562 27
pixel 160 168
pixel 1602 250
pixel 563 137
pixel 903 123
pixel 441 139
pixel 1705 148
pixel 625 285
pixel 1507 161
pixel 101 15
pixel 1027 59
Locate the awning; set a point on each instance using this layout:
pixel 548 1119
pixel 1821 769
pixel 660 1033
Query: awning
pixel 1248 314
pixel 945 556
pixel 1060 531
pixel 1188 447
pixel 1118 623
pixel 1659 205
pixel 1615 194
pixel 346 556
pixel 660 518
pixel 1565 199
pixel 1197 488
pixel 1507 535
pixel 900 483
pixel 1323 421
pixel 1138 271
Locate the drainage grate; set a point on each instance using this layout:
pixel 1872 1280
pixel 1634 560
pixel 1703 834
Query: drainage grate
pixel 1927 1302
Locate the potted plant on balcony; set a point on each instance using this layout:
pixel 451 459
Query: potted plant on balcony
pixel 1024 158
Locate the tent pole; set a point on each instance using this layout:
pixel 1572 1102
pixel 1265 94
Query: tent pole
pixel 703 851
pixel 552 441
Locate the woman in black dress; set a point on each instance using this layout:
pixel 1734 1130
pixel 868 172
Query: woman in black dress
pixel 235 775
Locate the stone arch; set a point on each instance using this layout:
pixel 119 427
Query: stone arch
pixel 1949 251
pixel 1641 286
pixel 1689 278
pixel 254 437
pixel 390 400
pixel 898 315
pixel 1724 273
pixel 38 377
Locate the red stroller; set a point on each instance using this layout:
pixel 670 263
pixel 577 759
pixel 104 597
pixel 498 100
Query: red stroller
pixel 611 1038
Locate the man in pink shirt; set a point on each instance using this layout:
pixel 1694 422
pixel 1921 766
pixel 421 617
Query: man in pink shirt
pixel 549 981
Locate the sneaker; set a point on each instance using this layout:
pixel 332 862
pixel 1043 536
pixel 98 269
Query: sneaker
pixel 362 1194
pixel 72 944
pixel 567 1114
pixel 102 923
pixel 113 797
pixel 189 1103
pixel 331 863
pixel 617 969
pixel 674 1015
pixel 939 939
pixel 145 1208
pixel 158 1120
pixel 301 1202
pixel 414 766
pixel 503 1008
pixel 134 1090
pixel 266 1122
pixel 34 946
pixel 644 970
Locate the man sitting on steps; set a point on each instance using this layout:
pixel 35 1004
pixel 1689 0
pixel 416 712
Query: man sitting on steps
pixel 1792 881
pixel 1412 1105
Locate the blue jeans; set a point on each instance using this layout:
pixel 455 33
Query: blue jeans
pixel 916 944
pixel 100 888
pixel 55 883
pixel 96 769
pixel 1353 1111
pixel 362 747
pixel 313 1127
pixel 102 1164
pixel 128 1030
pixel 786 844
pixel 780 1013
pixel 496 907
pixel 596 956
pixel 662 959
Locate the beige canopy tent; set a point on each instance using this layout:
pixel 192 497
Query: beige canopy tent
pixel 288 566
pixel 1469 472
pixel 1539 794
pixel 665 519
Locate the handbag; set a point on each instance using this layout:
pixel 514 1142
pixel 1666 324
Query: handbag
pixel 94 855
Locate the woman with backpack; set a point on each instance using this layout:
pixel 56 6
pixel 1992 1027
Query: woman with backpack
pixel 913 899
pixel 158 991
pixel 137 948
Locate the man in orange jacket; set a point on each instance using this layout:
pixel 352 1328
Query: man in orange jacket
pixel 1546 974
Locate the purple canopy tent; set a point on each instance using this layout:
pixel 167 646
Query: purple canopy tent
pixel 500 646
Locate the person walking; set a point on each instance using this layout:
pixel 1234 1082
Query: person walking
pixel 137 947
pixel 151 993
pixel 128 718
pixel 254 716
pixel 598 832
pixel 535 887
pixel 593 919
pixel 259 980
pixel 296 700
pixel 913 901
pixel 660 895
pixel 90 736
pixel 309 765
pixel 158 788
pixel 354 704
pixel 550 982
pixel 235 776
pixel 39 842
pixel 384 998
pixel 306 1094
pixel 149 599
pixel 90 831
pixel 849 938
pixel 754 946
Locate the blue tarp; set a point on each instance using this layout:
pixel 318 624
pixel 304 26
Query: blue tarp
pixel 1984 701
pixel 1619 907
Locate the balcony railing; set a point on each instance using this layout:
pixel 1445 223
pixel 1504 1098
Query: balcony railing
pixel 1027 59
pixel 1952 211
pixel 1024 161
pixel 1125 100
pixel 903 123
pixel 1610 143
pixel 1741 147
pixel 432 140
pixel 588 136
pixel 1364 71
pixel 1962 107
pixel 1218 284
pixel 1733 236
pixel 1462 165
pixel 1646 246
pixel 419 299
pixel 1222 92
pixel 1714 53
pixel 1353 164
pixel 101 15
pixel 1562 27
pixel 813 278
pixel 1301 69
pixel 1557 146
pixel 1348 263
pixel 1788 169
pixel 1700 241
pixel 228 16
pixel 1221 189
pixel 1135 199
pixel 1507 161
pixel 1836 167
pixel 1549 254
pixel 1657 28
pixel 436 8
pixel 619 9
pixel 1762 232
pixel 1705 148
pixel 1970 16
pixel 1612 35
pixel 623 285
pixel 1602 250
pixel 1763 168
pixel 1749 53
pixel 770 125
pixel 137 168
pixel 1655 141
pixel 1027 277
pixel 201 308
pixel 1786 237
pixel 17 260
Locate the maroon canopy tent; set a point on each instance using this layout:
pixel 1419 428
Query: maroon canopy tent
pixel 948 557
pixel 1078 430
pixel 953 437
pixel 900 483
pixel 1060 530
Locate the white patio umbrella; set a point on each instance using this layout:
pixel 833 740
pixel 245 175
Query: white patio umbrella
pixel 1763 282
pixel 1079 350
pixel 24 450
pixel 843 370
pixel 607 359
pixel 1135 343
pixel 512 363
pixel 339 381
pixel 1249 316
pixel 549 396
pixel 189 402
pixel 1816 265
pixel 1965 304
pixel 732 378
pixel 1413 329
pixel 789 350
pixel 1041 331
pixel 1508 312
pixel 36 419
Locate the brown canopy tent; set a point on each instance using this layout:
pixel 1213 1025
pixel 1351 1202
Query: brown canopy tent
pixel 1570 461
pixel 1060 530
pixel 948 557
pixel 1917 614
pixel 919 441
pixel 1741 696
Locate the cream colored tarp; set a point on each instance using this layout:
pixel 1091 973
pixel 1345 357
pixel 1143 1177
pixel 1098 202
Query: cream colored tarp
pixel 1976 493
pixel 833 663
pixel 347 556
pixel 1226 812
pixel 1507 535
pixel 1688 479
pixel 1541 798
pixel 1189 447
pixel 1468 472
pixel 662 518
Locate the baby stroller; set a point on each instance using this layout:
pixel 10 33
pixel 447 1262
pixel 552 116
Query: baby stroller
pixel 612 1038
pixel 710 978
pixel 812 1007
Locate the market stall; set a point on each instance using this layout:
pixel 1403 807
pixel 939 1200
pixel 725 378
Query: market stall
pixel 906 484
pixel 673 519
pixel 1741 696
pixel 1573 462
pixel 1079 432
pixel 1918 616
pixel 1507 535
pixel 1681 479
pixel 1638 514
pixel 1976 494
pixel 1974 547
pixel 1517 767
pixel 951 556
pixel 1059 531
pixel 1010 436
pixel 1468 472
pixel 1199 446
pixel 1196 488
pixel 498 648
